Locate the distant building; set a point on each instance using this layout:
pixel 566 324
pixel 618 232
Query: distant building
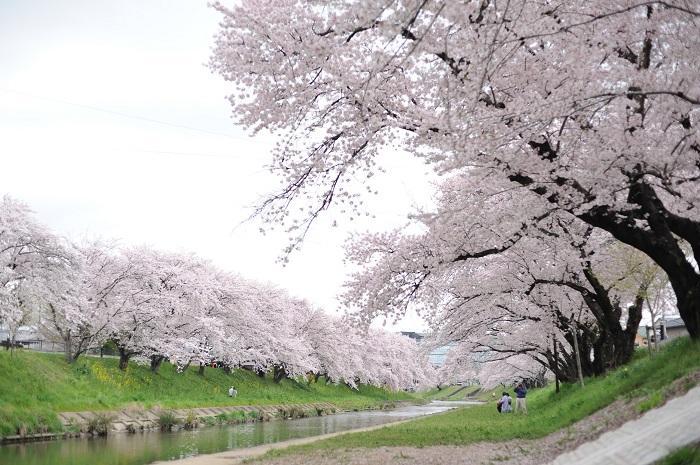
pixel 675 327
pixel 436 356
pixel 418 337
pixel 666 330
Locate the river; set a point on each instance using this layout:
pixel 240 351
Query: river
pixel 151 446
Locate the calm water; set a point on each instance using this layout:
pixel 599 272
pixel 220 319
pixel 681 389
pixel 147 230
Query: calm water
pixel 148 447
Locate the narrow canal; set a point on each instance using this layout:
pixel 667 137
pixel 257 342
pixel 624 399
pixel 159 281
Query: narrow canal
pixel 152 446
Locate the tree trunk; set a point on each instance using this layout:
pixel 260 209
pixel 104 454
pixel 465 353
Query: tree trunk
pixel 156 361
pixel 657 237
pixel 76 355
pixel 556 365
pixel 615 344
pixel 201 369
pixel 68 346
pixel 581 339
pixel 626 339
pixel 577 355
pixel 124 356
pixel 559 363
pixel 278 373
pixel 689 309
pixel 659 242
pixel 181 368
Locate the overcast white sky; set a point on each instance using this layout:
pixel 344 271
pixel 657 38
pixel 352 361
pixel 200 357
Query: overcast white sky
pixel 112 125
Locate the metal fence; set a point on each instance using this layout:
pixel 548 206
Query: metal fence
pixel 27 339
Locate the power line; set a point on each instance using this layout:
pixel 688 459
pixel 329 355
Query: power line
pixel 130 116
pixel 165 152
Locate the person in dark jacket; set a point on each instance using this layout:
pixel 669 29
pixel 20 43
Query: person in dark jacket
pixel 520 393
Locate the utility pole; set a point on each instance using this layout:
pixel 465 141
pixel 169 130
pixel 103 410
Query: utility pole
pixel 578 355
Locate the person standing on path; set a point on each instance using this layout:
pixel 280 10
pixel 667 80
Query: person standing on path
pixel 520 393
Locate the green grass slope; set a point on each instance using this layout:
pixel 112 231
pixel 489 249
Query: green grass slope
pixel 33 386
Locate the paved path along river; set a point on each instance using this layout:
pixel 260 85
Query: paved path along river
pixel 645 440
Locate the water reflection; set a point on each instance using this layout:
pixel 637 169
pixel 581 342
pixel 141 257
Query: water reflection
pixel 151 446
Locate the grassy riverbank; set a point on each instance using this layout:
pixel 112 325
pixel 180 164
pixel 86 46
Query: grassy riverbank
pixel 645 383
pixel 33 386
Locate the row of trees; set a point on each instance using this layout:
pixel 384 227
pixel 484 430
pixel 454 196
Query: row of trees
pixel 159 306
pixel 557 300
pixel 566 133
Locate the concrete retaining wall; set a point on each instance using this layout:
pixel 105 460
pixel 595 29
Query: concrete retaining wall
pixel 138 419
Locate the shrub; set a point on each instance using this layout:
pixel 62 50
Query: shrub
pixel 99 423
pixel 237 416
pixel 73 427
pixel 293 412
pixel 167 419
pixel 233 417
pixel 297 412
pixel 650 402
pixel 190 421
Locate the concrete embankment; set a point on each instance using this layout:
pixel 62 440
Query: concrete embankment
pixel 138 419
pixel 135 419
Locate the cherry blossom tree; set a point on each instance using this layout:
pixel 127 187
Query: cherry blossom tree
pixel 610 324
pixel 592 107
pixel 29 252
pixel 60 301
pixel 159 305
pixel 291 354
pixel 83 298
pixel 170 308
pixel 356 357
pixel 404 364
pixel 512 371
pixel 18 303
pixel 328 340
pixel 489 284
pixel 247 336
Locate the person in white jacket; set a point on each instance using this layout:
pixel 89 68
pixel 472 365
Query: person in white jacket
pixel 505 403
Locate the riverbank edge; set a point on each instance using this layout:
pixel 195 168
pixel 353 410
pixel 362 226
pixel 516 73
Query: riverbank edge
pixel 132 420
pixel 239 456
